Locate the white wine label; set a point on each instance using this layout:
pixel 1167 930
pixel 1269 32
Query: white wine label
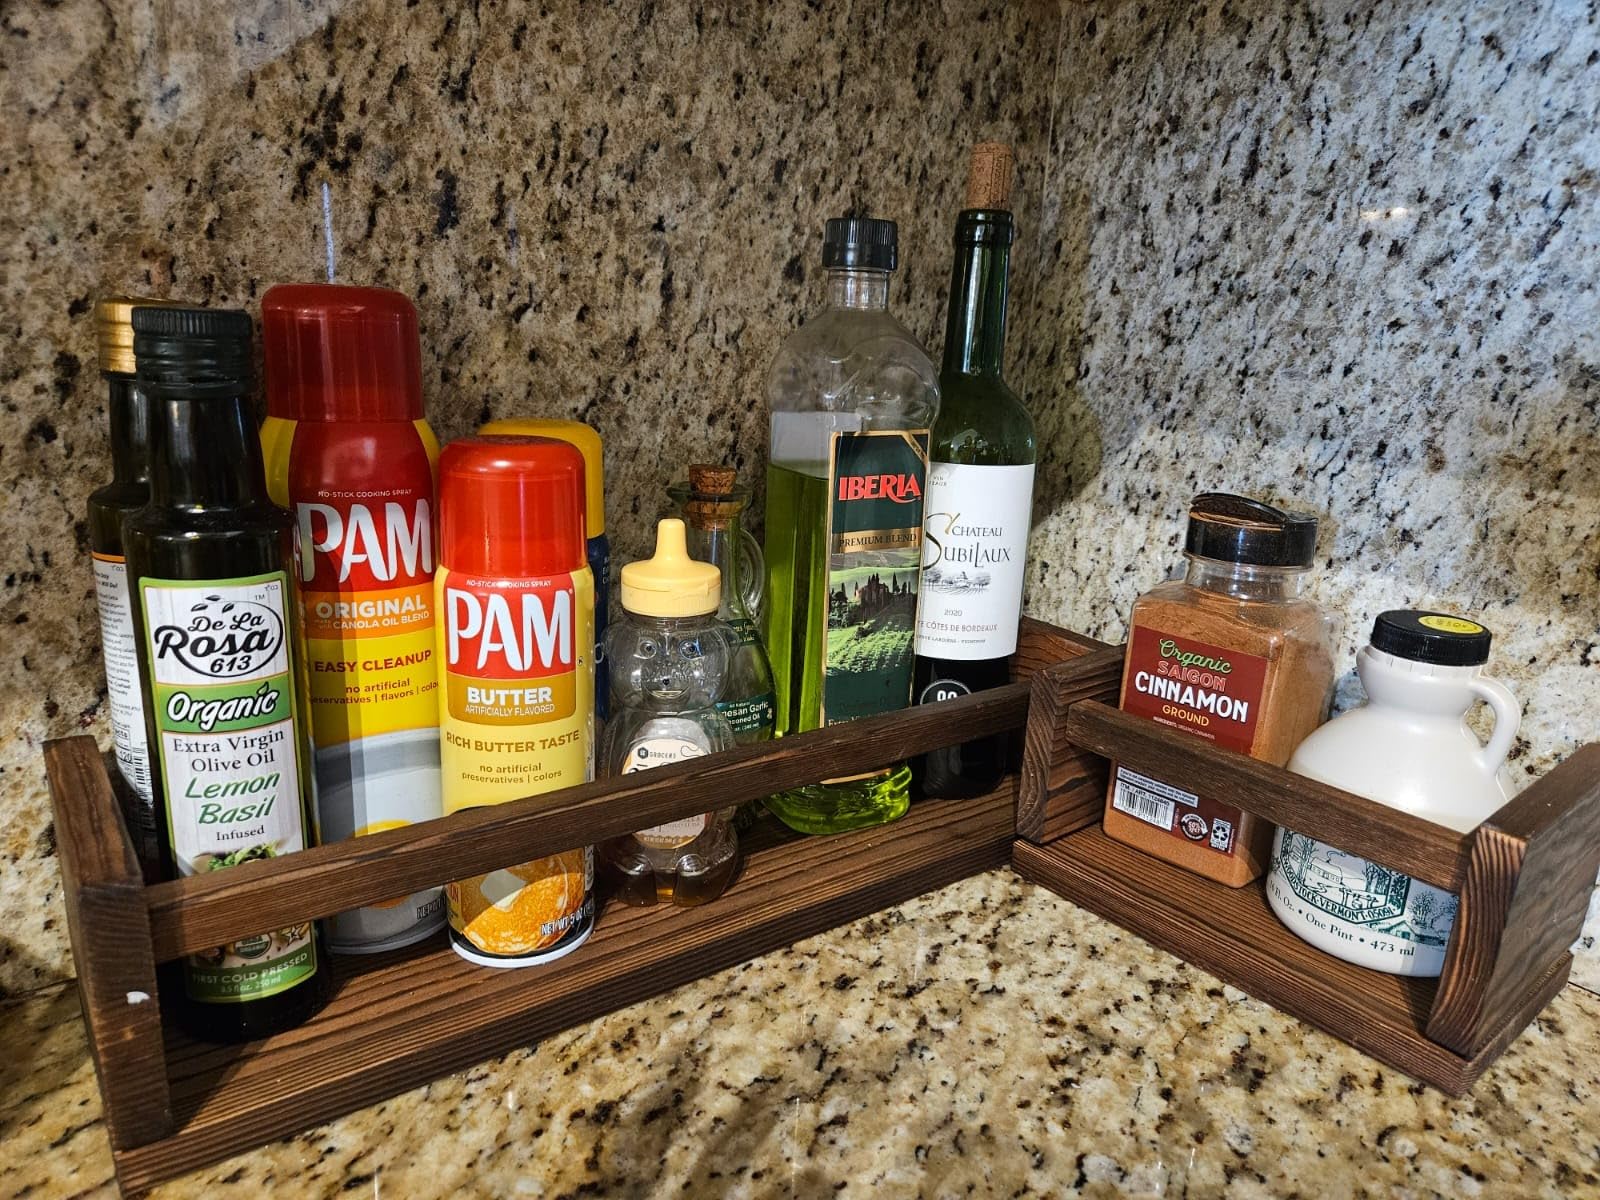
pixel 225 707
pixel 974 550
pixel 122 672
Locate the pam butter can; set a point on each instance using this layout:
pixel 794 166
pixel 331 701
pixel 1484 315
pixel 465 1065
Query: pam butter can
pixel 349 454
pixel 515 599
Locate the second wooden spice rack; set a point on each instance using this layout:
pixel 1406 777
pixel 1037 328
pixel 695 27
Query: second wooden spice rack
pixel 398 1020
pixel 401 1019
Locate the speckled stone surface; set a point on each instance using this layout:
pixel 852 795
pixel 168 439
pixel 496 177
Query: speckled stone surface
pixel 606 211
pixel 987 1039
pixel 1340 256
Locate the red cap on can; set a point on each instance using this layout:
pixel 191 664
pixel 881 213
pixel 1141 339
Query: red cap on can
pixel 511 507
pixel 341 353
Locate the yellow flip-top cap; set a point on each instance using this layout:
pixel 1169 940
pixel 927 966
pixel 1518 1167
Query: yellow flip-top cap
pixel 671 584
pixel 574 433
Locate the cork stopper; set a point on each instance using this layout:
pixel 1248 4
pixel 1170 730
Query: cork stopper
pixel 713 497
pixel 989 177
pixel 711 480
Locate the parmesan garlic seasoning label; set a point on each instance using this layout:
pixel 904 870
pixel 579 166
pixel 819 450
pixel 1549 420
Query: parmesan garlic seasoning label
pixel 225 710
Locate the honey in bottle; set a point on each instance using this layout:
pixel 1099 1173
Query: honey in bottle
pixel 668 659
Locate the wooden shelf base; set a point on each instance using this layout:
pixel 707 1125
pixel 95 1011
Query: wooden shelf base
pixel 1233 933
pixel 416 1014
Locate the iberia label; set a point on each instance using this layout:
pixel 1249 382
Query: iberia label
pixel 518 660
pixel 1204 690
pixel 876 481
pixel 225 710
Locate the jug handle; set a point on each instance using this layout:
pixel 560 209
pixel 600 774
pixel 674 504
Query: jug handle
pixel 752 575
pixel 1507 720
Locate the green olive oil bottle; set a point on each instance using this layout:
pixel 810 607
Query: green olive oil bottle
pixel 217 634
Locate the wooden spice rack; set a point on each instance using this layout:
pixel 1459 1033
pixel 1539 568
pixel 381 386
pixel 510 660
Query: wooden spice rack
pixel 1523 878
pixel 401 1019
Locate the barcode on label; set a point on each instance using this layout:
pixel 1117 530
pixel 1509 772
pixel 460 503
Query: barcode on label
pixel 1146 806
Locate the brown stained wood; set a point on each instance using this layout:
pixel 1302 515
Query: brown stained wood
pixel 1353 823
pixel 192 914
pixel 110 932
pixel 412 1016
pixel 1041 645
pixel 1233 934
pixel 1523 901
pixel 1062 787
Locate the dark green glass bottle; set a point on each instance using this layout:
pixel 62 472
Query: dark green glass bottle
pixel 129 490
pixel 980 490
pixel 216 629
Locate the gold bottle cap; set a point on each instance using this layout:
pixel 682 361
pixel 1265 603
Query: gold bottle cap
pixel 113 329
pixel 989 177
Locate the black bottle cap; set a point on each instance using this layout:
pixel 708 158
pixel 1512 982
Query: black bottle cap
pixel 194 351
pixel 860 242
pixel 1431 637
pixel 1238 529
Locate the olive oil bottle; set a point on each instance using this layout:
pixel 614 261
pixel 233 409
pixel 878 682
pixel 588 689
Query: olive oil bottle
pixel 216 629
pixel 128 491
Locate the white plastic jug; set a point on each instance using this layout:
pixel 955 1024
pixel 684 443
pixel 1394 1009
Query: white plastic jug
pixel 1409 747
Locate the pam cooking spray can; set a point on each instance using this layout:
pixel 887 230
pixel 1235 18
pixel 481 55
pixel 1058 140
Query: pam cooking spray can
pixel 349 454
pixel 588 444
pixel 515 599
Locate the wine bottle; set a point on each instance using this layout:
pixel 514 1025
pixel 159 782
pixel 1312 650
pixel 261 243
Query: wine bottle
pixel 980 489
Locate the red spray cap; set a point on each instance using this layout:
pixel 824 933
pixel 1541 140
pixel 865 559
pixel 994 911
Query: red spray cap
pixel 341 353
pixel 511 507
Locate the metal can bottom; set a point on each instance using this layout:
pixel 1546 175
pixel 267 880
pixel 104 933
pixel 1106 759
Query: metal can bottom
pixel 576 937
pixel 345 934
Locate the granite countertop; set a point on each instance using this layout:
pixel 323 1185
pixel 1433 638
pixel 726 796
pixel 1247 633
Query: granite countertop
pixel 988 1038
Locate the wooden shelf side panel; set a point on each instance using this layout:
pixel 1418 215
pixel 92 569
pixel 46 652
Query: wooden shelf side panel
pixel 1063 787
pixel 1523 902
pixel 109 928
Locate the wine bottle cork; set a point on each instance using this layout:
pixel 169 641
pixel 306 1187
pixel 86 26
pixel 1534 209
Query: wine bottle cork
pixel 713 481
pixel 989 178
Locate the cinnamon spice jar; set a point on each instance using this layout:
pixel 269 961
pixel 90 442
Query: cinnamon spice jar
pixel 1233 653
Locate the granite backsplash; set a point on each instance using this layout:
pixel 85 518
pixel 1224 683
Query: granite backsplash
pixel 606 211
pixel 1340 256
pixel 1331 254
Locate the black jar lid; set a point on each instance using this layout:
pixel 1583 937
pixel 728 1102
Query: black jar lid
pixel 1431 637
pixel 1237 529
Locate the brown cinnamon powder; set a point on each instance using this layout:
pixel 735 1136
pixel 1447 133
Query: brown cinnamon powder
pixel 1234 655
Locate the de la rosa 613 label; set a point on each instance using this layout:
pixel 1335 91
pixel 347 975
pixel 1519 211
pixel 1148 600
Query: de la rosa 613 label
pixel 225 711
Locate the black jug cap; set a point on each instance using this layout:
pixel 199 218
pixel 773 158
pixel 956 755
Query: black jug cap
pixel 860 242
pixel 1237 529
pixel 1431 637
